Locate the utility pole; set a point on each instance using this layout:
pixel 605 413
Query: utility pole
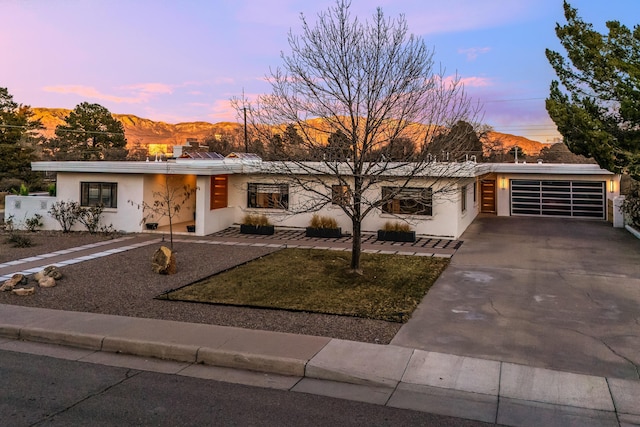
pixel 246 142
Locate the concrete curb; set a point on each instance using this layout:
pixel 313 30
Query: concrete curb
pixel 413 379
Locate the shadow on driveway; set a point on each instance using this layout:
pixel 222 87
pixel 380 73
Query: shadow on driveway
pixel 555 293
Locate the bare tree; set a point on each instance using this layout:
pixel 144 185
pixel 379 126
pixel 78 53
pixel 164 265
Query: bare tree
pixel 167 202
pixel 374 85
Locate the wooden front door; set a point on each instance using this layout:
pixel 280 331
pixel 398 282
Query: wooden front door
pixel 488 196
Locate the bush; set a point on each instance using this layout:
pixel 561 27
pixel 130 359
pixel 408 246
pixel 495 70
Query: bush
pixel 256 220
pixel 66 213
pixel 631 205
pixel 19 240
pixel 34 222
pixel 90 217
pixel 52 190
pixel 396 226
pixel 319 221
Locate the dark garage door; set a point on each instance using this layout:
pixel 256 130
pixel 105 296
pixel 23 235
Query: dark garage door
pixel 582 199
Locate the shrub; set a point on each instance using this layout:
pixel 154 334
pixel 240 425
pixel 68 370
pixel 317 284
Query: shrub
pixel 256 220
pixel 9 225
pixel 19 240
pixel 396 226
pixel 90 217
pixel 52 190
pixel 66 213
pixel 34 222
pixel 631 205
pixel 319 221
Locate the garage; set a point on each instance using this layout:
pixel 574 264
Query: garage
pixel 558 198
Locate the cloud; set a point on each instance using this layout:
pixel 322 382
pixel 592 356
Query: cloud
pixel 137 94
pixel 473 52
pixel 150 88
pixel 467 81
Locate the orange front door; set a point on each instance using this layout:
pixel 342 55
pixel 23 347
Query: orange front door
pixel 488 196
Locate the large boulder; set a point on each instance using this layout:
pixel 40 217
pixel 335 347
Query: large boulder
pixel 50 271
pixel 47 282
pixel 24 291
pixel 53 272
pixel 164 261
pixel 15 280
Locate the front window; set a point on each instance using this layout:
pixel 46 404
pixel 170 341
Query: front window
pixel 99 194
pixel 340 195
pixel 268 196
pixel 407 201
pixel 463 198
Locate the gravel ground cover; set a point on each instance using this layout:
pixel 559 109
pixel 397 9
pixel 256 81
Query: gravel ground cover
pixel 123 284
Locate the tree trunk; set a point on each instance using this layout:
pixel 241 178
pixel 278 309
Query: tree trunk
pixel 356 246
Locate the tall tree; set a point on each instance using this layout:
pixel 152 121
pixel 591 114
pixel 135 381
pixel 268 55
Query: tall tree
pixel 373 82
pixel 594 102
pixel 90 133
pixel 18 130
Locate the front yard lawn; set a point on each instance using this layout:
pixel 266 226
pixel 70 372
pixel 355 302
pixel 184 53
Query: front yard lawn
pixel 317 281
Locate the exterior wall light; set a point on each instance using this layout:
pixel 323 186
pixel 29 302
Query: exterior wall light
pixel 503 183
pixel 612 185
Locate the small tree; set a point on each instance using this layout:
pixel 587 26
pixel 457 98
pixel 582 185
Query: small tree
pixel 167 203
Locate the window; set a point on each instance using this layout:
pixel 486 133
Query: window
pixel 268 196
pixel 340 195
pixel 475 192
pixel 408 201
pixel 99 193
pixel 219 192
pixel 463 198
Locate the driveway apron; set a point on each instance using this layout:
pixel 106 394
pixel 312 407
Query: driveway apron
pixel 555 293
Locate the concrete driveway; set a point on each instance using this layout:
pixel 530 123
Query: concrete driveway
pixel 546 292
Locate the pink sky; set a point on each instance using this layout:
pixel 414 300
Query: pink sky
pixel 183 61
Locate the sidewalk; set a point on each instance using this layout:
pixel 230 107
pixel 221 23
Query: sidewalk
pixel 467 387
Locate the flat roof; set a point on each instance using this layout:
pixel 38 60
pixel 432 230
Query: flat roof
pixel 242 166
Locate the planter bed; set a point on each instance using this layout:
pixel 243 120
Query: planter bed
pixel 333 233
pixel 397 236
pixel 265 230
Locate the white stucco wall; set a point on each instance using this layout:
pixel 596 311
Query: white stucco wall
pixel 125 217
pixel 211 220
pixel 21 208
pixel 446 220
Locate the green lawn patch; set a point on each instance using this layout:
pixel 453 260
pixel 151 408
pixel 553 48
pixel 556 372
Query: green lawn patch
pixel 318 281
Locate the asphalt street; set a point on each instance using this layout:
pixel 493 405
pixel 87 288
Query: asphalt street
pixel 44 391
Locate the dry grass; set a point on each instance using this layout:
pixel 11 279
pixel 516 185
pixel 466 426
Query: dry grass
pixel 318 281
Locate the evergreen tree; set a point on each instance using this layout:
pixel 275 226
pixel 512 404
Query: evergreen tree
pixel 18 132
pixel 595 100
pixel 90 133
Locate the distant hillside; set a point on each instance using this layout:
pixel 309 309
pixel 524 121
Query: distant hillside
pixel 530 147
pixel 145 131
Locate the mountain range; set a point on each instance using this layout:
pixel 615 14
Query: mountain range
pixel 141 131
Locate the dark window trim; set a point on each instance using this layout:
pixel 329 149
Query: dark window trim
pixel 86 199
pixel 275 196
pixel 401 202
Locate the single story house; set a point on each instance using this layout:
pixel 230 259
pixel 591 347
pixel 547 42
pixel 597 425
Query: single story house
pixel 226 189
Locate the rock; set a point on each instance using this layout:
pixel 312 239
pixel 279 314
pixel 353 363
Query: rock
pixel 47 282
pixel 16 279
pixel 52 271
pixel 39 275
pixel 164 261
pixel 24 291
